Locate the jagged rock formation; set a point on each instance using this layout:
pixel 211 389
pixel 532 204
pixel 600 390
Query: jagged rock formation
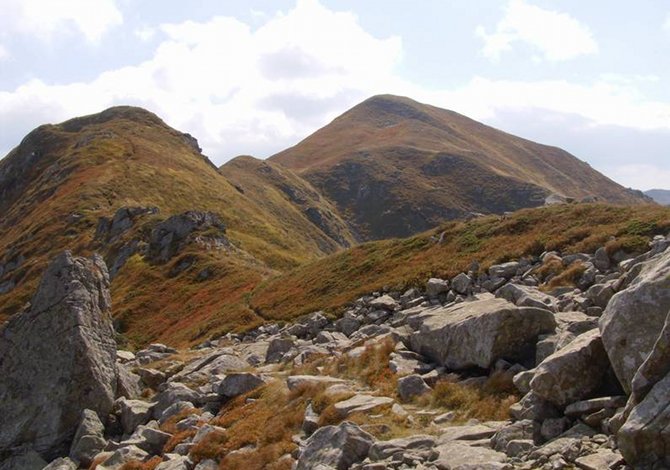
pixel 58 358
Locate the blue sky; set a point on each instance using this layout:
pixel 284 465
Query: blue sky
pixel 254 77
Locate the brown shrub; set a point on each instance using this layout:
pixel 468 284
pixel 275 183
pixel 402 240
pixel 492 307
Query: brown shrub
pixel 137 465
pixel 177 438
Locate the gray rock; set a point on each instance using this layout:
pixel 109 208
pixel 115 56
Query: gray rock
pixel 462 284
pixel 480 332
pixel 172 234
pixel 382 450
pixel 643 439
pixel 412 386
pixel 311 421
pixel 294 382
pixel 180 462
pixel 42 394
pixel 601 260
pixel 122 456
pixel 532 406
pixel 362 404
pixel 526 296
pixel 385 302
pixel 128 384
pixel 174 409
pixel 26 460
pixel 600 294
pixel 572 373
pixel 88 440
pixel 337 447
pixel 239 384
pixel 460 456
pixel 525 429
pixel 133 413
pixel 348 325
pixel 173 393
pixel 149 439
pixel 602 459
pixel 152 378
pixel 505 270
pixel 277 348
pixel 61 463
pixel 436 286
pixel 634 317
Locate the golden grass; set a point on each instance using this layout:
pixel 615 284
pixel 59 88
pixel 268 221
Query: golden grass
pixel 489 402
pixel 332 282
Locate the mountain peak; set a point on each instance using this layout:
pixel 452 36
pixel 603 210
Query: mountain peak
pixel 124 112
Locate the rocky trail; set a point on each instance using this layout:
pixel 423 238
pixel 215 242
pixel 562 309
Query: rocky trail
pixel 556 362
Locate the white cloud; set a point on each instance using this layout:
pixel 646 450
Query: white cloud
pixel 666 25
pixel 46 18
pixel 145 33
pixel 557 36
pixel 235 88
pixel 4 53
pixel 640 176
pixel 243 89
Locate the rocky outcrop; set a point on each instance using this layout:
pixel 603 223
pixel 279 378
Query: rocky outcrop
pixel 477 333
pixel 170 235
pixel 634 317
pixel 58 358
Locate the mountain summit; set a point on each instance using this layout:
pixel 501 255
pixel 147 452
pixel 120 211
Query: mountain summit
pixel 397 167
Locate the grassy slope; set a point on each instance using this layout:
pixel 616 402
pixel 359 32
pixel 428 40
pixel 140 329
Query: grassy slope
pixel 288 197
pixel 428 164
pixel 331 282
pixel 128 157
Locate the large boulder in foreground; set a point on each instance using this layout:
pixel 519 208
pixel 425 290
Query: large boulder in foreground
pixel 635 316
pixel 479 332
pixel 58 358
pixel 644 438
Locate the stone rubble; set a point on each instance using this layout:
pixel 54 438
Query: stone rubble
pixel 590 363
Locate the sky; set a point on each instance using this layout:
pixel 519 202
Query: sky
pixel 257 76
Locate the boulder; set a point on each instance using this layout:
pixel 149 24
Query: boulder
pixel 133 413
pixel 338 447
pixel 277 348
pixel 385 302
pixel 23 460
pixel 122 456
pixel 634 317
pixel 505 270
pixel 58 358
pixel 644 437
pixel 462 284
pixel 480 332
pixel 174 392
pixel 239 384
pixel 88 440
pixel 572 373
pixel 436 286
pixel 296 381
pixel 362 404
pixel 62 463
pixel 526 296
pixel 170 235
pixel 412 386
pixel 459 455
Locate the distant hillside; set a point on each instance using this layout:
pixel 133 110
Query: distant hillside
pixel 662 196
pixel 395 167
pixel 58 184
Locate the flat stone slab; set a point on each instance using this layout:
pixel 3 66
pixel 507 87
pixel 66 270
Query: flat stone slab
pixel 295 381
pixel 362 404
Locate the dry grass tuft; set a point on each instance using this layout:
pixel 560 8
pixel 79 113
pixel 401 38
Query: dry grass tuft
pixel 150 464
